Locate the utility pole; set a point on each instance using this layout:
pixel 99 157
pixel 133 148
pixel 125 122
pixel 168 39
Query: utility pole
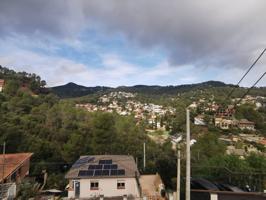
pixel 178 173
pixel 144 156
pixel 188 157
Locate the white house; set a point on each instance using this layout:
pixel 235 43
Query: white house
pixel 199 120
pixel 104 176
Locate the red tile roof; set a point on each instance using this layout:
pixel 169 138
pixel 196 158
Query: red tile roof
pixel 263 142
pixel 10 162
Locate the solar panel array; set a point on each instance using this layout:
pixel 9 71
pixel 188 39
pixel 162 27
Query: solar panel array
pixel 102 172
pixel 104 168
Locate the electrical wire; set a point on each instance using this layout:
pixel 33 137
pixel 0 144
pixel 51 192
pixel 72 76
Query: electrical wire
pixel 253 64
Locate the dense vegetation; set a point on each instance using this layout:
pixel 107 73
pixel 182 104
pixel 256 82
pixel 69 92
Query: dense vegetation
pixel 71 90
pixel 58 133
pixel 74 90
pixel 34 120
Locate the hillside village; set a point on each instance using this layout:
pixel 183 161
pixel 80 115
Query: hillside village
pixel 242 137
pixel 124 104
pixel 242 140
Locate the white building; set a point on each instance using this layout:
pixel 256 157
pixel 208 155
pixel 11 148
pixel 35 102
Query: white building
pixel 199 120
pixel 104 176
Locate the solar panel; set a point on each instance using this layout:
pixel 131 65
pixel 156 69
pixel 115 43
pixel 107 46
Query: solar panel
pixel 113 172
pixel 98 172
pixel 91 167
pixel 113 166
pixel 82 161
pixel 110 166
pixel 91 159
pixel 86 173
pixel 107 162
pixel 107 167
pixel 98 166
pixel 105 172
pixel 121 172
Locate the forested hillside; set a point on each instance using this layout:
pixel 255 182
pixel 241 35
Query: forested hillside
pixel 32 119
pixel 58 133
pixel 73 90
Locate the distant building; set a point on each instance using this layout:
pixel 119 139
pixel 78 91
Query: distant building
pixel 2 82
pixel 263 142
pixel 225 112
pixel 199 120
pixel 223 123
pixel 245 124
pixel 104 176
pixel 193 105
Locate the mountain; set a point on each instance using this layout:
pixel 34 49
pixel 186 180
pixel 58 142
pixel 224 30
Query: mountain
pixel 73 90
pixel 171 90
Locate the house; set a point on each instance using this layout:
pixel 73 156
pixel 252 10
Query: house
pixel 193 105
pixel 13 167
pixel 223 123
pixel 263 142
pixel 104 176
pixel 225 112
pixel 2 82
pixel 199 120
pixel 245 124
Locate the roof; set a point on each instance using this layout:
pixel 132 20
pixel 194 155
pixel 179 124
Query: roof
pixel 245 121
pixel 2 82
pixel 122 162
pixel 11 162
pixel 263 142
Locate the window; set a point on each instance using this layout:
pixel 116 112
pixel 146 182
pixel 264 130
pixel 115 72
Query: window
pixel 94 185
pixel 120 184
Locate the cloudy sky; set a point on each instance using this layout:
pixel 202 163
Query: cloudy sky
pixel 129 42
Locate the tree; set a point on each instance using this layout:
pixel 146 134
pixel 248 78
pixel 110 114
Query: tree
pixel 103 133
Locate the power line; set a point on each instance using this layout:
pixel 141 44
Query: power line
pixel 254 63
pixel 250 88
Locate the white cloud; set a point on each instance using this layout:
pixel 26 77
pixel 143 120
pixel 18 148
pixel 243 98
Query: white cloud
pixel 114 70
pixel 197 38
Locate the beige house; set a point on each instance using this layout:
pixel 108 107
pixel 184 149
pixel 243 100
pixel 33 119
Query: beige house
pixel 245 124
pixel 104 176
pixel 224 123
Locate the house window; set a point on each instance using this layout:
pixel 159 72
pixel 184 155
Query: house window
pixel 94 185
pixel 120 184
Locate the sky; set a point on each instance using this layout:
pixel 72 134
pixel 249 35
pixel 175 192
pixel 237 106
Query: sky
pixel 132 42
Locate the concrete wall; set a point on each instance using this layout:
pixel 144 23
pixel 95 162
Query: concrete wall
pixel 107 188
